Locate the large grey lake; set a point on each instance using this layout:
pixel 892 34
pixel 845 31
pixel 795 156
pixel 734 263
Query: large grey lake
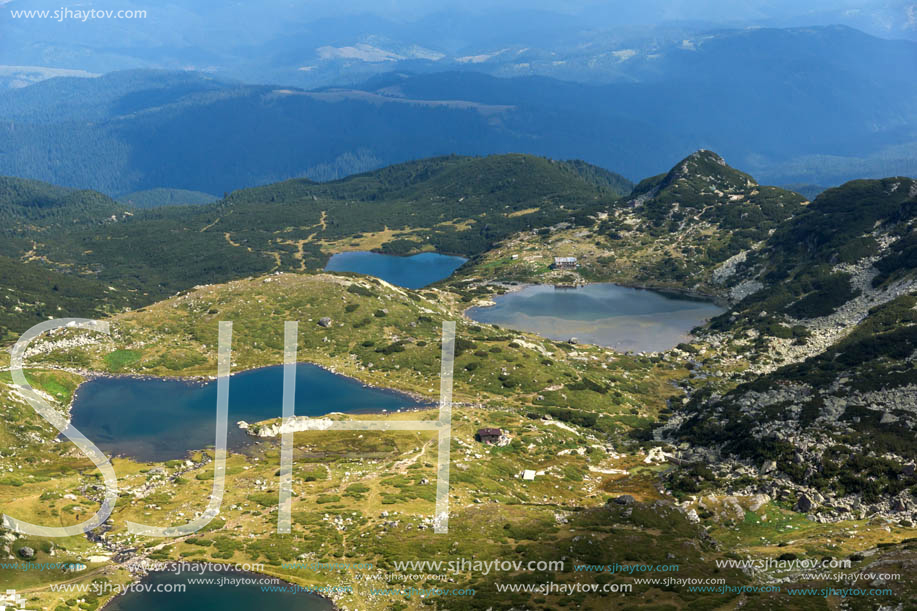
pixel 410 272
pixel 605 314
pixel 160 419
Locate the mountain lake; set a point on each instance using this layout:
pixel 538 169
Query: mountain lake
pixel 605 314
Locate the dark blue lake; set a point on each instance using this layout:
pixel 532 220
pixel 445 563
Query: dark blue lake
pixel 213 597
pixel 410 272
pixel 160 419
pixel 604 314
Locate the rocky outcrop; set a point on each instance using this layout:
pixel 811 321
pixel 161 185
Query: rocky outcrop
pixel 295 424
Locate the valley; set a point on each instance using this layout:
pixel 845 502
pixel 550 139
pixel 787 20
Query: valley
pixel 694 455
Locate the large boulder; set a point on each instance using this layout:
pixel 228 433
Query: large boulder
pixel 805 504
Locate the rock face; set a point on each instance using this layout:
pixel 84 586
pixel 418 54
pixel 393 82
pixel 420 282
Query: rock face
pixel 802 378
pixel 26 552
pixel 324 322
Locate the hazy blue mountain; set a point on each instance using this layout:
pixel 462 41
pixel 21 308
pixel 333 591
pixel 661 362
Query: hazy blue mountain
pixel 321 43
pixel 197 135
pixel 808 191
pixel 809 105
pixel 155 198
pixel 69 98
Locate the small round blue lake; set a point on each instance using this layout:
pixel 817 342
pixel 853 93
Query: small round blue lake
pixel 410 272
pixel 161 419
pixel 604 314
pixel 231 596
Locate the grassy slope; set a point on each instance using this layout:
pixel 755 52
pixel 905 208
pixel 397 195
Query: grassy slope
pixel 359 475
pixel 170 337
pixel 31 212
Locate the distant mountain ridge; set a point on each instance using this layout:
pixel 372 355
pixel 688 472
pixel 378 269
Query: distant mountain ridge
pixel 814 105
pixel 155 198
pixel 334 44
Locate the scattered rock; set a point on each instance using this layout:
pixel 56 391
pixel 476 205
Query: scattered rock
pixel 732 509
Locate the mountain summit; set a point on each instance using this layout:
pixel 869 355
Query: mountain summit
pixel 702 178
pixel 707 210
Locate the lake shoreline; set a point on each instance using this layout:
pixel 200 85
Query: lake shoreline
pixel 140 577
pixel 689 294
pixel 667 293
pixel 419 402
pixel 682 292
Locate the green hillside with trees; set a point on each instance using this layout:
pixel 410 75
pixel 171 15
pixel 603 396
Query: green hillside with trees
pixel 30 293
pixel 27 206
pixel 457 205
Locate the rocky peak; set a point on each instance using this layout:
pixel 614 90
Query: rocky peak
pixel 698 179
